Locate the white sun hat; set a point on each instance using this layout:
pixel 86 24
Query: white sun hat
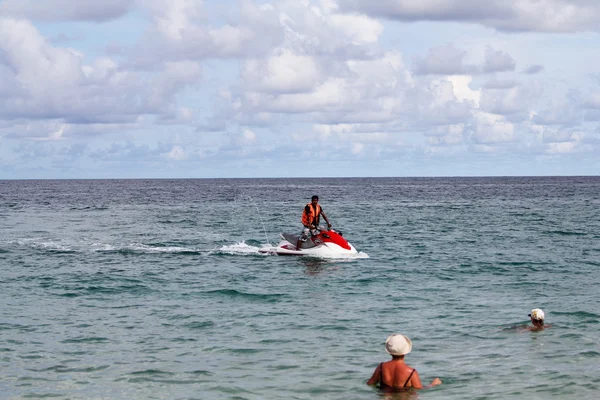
pixel 398 345
pixel 537 313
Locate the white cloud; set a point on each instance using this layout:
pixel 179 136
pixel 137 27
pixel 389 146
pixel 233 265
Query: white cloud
pixel 504 101
pixel 558 113
pixel 177 154
pixel 533 69
pixel 449 60
pixel 449 135
pixel 562 135
pixel 231 41
pixel 492 129
pixel 497 61
pixel 38 66
pixel 443 60
pixel 358 148
pixel 248 136
pixel 57 135
pixel 66 10
pixel 353 91
pixel 410 10
pixel 593 100
pixel 504 15
pixel 175 17
pixel 53 81
pixel 462 90
pixel 181 30
pixel 495 83
pixel 282 72
pixel 358 29
pixel 560 147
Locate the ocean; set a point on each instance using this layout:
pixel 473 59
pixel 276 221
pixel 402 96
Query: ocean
pixel 155 289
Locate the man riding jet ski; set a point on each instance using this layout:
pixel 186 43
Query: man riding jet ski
pixel 314 240
pixel 310 220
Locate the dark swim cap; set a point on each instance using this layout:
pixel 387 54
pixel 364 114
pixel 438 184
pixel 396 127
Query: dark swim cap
pixel 315 197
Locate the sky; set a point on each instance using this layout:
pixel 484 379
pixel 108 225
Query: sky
pixel 298 88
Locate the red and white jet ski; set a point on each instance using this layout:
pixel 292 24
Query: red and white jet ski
pixel 327 244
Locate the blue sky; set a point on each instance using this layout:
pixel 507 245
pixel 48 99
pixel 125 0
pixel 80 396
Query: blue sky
pixel 298 88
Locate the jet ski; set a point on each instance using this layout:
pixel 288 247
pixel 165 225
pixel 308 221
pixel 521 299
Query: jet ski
pixel 326 243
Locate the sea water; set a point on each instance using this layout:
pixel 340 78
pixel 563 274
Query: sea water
pixel 155 289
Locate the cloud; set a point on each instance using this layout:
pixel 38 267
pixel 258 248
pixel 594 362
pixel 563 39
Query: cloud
pixel 449 135
pixel 559 113
pixel 52 82
pixel 562 147
pixel 593 101
pixel 443 60
pixel 358 148
pixel 449 60
pixel 502 15
pixel 508 101
pixel 359 29
pixel 248 136
pixel 66 10
pixel 282 72
pixel 495 83
pixel 565 141
pixel 533 69
pixel 44 82
pixel 497 61
pixel 431 10
pixel 177 154
pixel 561 135
pixel 592 115
pixel 56 135
pixel 129 152
pixel 181 30
pixel 352 90
pixel 492 129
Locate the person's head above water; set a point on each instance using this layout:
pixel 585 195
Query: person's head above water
pixel 398 345
pixel 537 317
pixel 314 198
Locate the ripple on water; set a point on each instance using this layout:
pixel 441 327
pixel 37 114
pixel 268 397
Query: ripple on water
pixel 235 294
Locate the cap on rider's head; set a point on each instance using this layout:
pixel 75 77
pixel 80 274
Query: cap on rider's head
pixel 315 197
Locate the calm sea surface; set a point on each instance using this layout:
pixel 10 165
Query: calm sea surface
pixel 154 289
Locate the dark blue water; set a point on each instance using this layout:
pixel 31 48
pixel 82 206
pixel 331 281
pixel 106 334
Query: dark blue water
pixel 154 289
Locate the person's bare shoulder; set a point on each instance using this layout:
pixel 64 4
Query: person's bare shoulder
pixel 538 328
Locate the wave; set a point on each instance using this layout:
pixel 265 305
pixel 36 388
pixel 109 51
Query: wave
pixel 178 221
pixel 139 248
pixel 232 293
pixel 241 248
pixel 89 208
pixel 565 233
pixel 90 339
pixel 46 245
pixel 100 289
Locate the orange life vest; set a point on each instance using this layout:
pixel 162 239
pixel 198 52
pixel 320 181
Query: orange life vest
pixel 310 216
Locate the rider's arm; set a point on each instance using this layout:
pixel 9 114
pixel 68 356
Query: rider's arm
pixel 325 218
